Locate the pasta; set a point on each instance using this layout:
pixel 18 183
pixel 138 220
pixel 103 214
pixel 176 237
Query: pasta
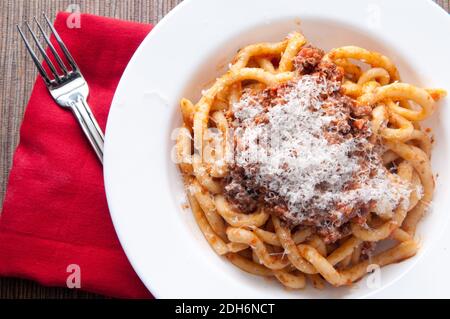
pixel 268 237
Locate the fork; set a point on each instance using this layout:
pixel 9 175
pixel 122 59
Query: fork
pixel 67 87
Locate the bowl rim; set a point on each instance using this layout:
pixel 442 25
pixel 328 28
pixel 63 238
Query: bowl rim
pixel 110 164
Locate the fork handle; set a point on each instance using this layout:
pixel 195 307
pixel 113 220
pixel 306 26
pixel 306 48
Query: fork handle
pixel 90 127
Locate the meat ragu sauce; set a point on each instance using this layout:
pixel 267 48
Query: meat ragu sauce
pixel 247 190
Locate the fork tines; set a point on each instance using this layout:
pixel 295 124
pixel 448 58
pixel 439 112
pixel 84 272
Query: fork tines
pixel 58 78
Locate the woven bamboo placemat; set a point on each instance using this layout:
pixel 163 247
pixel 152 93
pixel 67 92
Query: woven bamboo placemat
pixel 17 75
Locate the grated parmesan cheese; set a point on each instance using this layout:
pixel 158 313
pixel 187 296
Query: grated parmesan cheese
pixel 290 157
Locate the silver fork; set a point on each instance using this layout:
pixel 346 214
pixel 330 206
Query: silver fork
pixel 69 88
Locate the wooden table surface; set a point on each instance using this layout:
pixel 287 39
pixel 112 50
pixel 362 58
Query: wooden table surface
pixel 17 75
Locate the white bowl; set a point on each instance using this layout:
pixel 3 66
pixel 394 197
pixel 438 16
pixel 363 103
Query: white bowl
pixel 188 49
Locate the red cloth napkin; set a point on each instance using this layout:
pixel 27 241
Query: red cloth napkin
pixel 55 212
